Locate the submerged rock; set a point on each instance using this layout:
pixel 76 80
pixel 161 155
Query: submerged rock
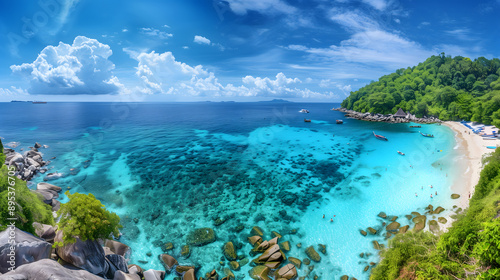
pixel 455 196
pixel 312 254
pixel 229 251
pixel 201 237
pixel 260 272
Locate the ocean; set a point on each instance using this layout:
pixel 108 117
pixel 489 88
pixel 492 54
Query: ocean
pixel 168 168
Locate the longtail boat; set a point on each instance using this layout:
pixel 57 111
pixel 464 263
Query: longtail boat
pixel 427 135
pixel 380 137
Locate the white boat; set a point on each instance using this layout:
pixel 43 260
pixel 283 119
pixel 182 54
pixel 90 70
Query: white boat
pixel 304 111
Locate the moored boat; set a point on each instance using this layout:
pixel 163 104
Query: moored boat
pixel 491 147
pixel 380 137
pixel 415 126
pixel 307 120
pixel 339 121
pixel 427 135
pixel 304 111
pixel 401 153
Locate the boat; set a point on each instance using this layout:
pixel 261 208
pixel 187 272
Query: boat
pixel 380 137
pixel 339 121
pixel 401 153
pixel 491 147
pixel 415 126
pixel 427 135
pixel 307 120
pixel 304 111
pixel 39 102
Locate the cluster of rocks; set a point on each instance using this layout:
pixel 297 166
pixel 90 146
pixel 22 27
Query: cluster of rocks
pixel 386 118
pixel 389 226
pixel 49 193
pixel 28 164
pixel 37 259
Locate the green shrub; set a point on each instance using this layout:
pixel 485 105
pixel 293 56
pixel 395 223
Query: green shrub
pixel 29 207
pixel 85 217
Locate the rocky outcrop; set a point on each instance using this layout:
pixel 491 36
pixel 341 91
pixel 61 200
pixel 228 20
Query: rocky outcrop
pixel 118 248
pixel 47 269
pixel 200 237
pixel 28 249
pixel 88 255
pixel 154 274
pixel 27 165
pixel 286 272
pixel 46 232
pixel 386 118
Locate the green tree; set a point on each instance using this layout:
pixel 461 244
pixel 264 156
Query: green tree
pixel 85 217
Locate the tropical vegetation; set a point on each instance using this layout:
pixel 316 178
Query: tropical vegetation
pixel 18 202
pixel 449 88
pixel 85 217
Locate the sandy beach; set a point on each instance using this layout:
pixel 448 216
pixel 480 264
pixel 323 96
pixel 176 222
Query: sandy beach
pixel 473 147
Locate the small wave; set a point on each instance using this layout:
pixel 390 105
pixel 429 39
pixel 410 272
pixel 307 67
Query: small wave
pixel 456 147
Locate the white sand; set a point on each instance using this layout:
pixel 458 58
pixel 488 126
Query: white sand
pixel 474 148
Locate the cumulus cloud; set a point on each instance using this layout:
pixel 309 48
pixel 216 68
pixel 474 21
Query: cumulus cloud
pixel 242 7
pixel 201 40
pixel 163 74
pixel 80 68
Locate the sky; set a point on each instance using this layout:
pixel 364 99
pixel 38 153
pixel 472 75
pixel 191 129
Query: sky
pixel 221 50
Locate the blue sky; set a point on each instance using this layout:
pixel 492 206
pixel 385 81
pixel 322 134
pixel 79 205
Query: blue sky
pixel 193 50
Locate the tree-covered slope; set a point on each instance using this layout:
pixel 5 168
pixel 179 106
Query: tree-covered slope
pixel 448 88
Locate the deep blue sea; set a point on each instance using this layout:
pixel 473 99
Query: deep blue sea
pixel 167 168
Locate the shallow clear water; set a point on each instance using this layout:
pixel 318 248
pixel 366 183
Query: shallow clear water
pixel 169 168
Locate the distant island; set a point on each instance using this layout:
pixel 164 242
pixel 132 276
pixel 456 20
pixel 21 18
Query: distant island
pixel 277 101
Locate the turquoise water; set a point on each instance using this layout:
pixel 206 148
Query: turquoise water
pixel 169 168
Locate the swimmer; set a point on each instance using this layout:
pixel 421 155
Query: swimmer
pixel 431 195
pixel 416 195
pixel 331 220
pixel 323 216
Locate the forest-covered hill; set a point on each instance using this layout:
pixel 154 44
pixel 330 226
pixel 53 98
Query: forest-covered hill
pixel 448 88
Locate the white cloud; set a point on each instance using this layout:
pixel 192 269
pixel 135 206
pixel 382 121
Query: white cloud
pixel 368 44
pixel 80 68
pixel 163 74
pixel 377 4
pixel 463 34
pixel 205 41
pixel 201 40
pixel 156 33
pixel 13 92
pixel 241 7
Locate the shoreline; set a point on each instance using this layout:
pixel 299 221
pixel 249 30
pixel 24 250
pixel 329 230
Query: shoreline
pixel 473 148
